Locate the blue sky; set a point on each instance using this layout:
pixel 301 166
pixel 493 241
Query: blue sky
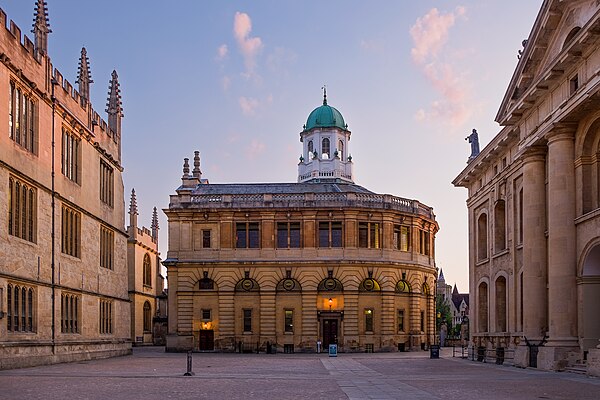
pixel 236 80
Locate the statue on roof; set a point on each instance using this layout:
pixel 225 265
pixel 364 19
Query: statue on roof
pixel 473 138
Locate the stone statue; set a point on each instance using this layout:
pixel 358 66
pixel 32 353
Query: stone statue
pixel 473 138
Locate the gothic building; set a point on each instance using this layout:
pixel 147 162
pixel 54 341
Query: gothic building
pixel 457 302
pixel 63 246
pixel 291 266
pixel 146 284
pixel 534 200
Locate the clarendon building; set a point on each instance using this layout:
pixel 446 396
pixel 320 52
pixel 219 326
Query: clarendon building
pixel 63 246
pixel 534 200
pixel 294 267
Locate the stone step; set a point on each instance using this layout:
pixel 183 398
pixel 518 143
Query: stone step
pixel 577 369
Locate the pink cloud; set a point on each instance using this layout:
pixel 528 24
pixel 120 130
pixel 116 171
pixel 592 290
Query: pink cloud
pixel 222 52
pixel 255 149
pixel 249 105
pixel 249 46
pixel 430 36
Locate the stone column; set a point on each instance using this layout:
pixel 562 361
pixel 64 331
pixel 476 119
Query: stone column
pixel 562 269
pixel 534 251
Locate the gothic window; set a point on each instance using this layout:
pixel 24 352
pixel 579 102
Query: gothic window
pixel 22 124
pixel 147 271
pixel 22 210
pixel 147 317
pixel 69 312
pixel 482 242
pixel 369 235
pixel 325 148
pixel 106 315
pixel 499 226
pixel 71 232
pixel 71 157
pixel 106 183
pixel 288 235
pixel 19 308
pixel 330 234
pixel 247 235
pixel 401 237
pixel 107 239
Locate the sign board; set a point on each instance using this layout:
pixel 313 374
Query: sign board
pixel 333 350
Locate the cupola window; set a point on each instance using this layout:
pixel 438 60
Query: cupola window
pixel 310 150
pixel 341 150
pixel 325 148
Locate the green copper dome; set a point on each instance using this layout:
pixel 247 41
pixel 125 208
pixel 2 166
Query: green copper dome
pixel 325 116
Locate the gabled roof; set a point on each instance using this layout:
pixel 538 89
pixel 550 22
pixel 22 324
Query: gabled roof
pixel 554 46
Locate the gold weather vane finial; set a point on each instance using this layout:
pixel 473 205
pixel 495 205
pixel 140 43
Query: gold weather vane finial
pixel 324 87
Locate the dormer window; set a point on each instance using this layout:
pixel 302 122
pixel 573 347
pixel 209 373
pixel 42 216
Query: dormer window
pixel 325 147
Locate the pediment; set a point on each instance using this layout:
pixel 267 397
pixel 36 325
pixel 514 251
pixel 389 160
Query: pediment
pixel 550 51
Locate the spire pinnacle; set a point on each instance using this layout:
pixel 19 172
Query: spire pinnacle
pixel 324 87
pixel 114 104
pixel 441 278
pixel 84 76
pixel 154 225
pixel 41 27
pixel 133 203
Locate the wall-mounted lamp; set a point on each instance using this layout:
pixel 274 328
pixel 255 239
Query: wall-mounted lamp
pixel 330 303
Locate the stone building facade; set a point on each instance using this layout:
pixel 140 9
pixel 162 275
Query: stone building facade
pixel 60 173
pixel 292 266
pixel 146 284
pixel 534 199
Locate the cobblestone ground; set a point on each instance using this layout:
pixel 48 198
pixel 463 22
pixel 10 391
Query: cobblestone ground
pixel 152 374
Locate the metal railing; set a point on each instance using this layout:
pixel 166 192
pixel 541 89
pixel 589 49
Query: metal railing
pixel 499 355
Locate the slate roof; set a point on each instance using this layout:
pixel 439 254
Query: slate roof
pixel 280 188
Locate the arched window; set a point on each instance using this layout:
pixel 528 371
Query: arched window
pixel 482 243
pixel 482 307
pixel 501 304
pixel 206 283
pixel 147 317
pixel 310 149
pixel 247 284
pixel 570 36
pixel 325 147
pixel 402 287
pixel 369 285
pixel 500 226
pixel 288 284
pixel 147 271
pixel 330 284
pixel 425 289
pixel 341 150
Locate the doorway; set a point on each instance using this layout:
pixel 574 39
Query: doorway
pixel 206 341
pixel 330 333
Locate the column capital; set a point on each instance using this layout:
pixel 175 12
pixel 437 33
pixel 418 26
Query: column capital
pixel 533 154
pixel 561 131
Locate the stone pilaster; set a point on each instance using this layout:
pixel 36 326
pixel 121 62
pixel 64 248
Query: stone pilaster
pixel 562 271
pixel 535 321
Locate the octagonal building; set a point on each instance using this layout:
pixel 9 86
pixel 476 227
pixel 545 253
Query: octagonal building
pixel 295 267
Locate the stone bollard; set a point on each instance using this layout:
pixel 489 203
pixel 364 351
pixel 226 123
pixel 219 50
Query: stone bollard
pixel 189 364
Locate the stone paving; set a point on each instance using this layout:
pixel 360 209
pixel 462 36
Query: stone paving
pixel 152 374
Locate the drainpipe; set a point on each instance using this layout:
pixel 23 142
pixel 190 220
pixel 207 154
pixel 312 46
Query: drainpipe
pixel 54 83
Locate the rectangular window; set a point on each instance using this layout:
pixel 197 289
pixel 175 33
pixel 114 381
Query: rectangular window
pixel 400 320
pixel 247 320
pixel 107 247
pixel 574 84
pixel 369 235
pixel 106 183
pixel 71 232
pixel 422 321
pixel 71 148
pixel 206 314
pixel 106 315
pixel 247 235
pixel 288 235
pixel 289 321
pixel 22 210
pixel 22 124
pixel 20 308
pixel 368 320
pixel 70 313
pixel 206 239
pixel 424 242
pixel 330 234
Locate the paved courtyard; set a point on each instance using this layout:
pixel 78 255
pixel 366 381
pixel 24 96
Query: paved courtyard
pixel 152 374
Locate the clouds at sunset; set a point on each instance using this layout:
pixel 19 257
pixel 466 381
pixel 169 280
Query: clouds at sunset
pixel 249 46
pixel 429 52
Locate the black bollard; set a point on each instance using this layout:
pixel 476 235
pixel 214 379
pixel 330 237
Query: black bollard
pixel 189 364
